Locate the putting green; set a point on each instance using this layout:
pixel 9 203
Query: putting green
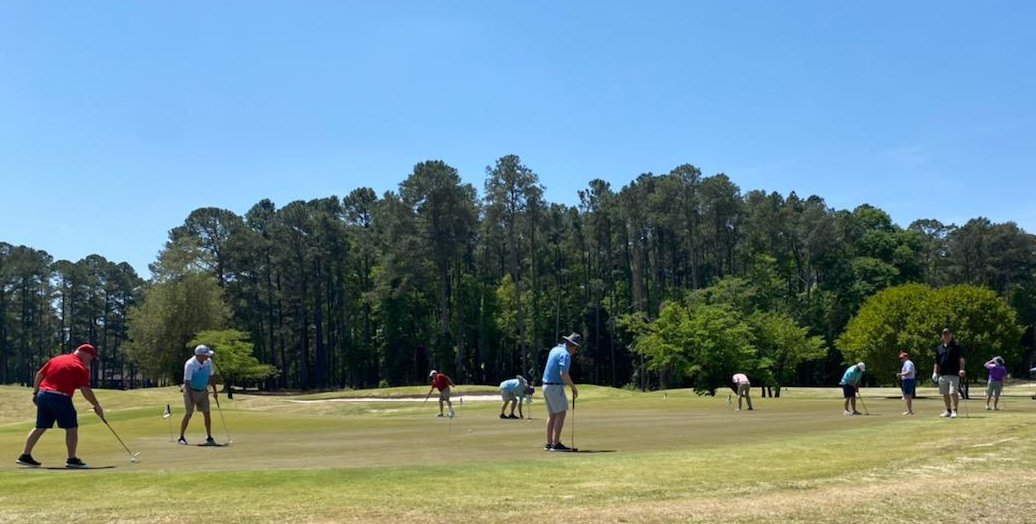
pixel 660 457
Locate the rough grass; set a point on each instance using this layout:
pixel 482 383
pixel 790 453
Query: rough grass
pixel 665 457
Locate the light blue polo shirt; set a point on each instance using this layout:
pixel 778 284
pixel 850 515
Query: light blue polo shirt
pixel 513 386
pixel 557 361
pixel 852 376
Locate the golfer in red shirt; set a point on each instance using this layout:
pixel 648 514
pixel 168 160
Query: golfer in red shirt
pixel 52 393
pixel 441 382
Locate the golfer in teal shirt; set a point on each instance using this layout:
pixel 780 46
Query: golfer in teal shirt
pixel 850 384
pixel 514 391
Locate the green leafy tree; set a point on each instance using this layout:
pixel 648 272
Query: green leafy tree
pixel 184 302
pixel 910 317
pixel 233 357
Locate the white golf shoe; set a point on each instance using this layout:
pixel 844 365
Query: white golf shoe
pixel 953 414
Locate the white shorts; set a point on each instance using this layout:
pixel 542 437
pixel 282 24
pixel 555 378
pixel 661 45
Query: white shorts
pixel 554 396
pixel 948 384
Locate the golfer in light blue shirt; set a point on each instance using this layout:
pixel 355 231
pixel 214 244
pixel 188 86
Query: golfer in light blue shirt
pixel 555 378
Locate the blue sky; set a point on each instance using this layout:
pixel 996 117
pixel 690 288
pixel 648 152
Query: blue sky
pixel 119 118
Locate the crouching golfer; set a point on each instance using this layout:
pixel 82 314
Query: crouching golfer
pixel 850 385
pixel 555 378
pixel 52 393
pixel 441 382
pixel 514 391
pixel 197 377
pixel 743 387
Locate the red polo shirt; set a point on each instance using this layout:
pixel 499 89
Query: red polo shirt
pixel 65 373
pixel 441 381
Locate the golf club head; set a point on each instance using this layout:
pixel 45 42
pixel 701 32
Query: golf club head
pixel 133 457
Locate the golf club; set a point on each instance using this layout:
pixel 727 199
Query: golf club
pixel 862 403
pixel 230 440
pixel 132 455
pixel 730 402
pixel 168 415
pixel 573 435
pixel 964 397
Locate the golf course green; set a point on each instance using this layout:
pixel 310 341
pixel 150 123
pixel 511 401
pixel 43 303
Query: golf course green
pixel 645 457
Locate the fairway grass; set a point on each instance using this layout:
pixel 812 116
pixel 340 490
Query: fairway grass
pixel 658 457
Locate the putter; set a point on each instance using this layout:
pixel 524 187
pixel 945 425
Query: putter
pixel 862 403
pixel 132 455
pixel 168 415
pixel 730 402
pixel 573 434
pixel 230 440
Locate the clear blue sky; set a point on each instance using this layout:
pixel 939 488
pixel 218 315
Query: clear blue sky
pixel 119 118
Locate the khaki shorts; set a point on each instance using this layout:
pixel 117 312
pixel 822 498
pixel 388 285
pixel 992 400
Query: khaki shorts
pixel 554 396
pixel 445 394
pixel 948 384
pixel 192 398
pixel 994 388
pixel 508 395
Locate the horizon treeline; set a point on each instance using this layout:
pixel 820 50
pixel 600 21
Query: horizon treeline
pixel 363 290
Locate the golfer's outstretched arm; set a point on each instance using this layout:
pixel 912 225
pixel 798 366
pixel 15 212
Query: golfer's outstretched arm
pixel 88 394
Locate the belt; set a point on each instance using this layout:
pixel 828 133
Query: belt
pixel 198 390
pixel 62 393
pixel 553 383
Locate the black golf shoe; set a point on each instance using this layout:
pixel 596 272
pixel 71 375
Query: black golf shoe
pixel 74 463
pixel 27 460
pixel 210 441
pixel 512 416
pixel 503 416
pixel 181 441
pixel 560 447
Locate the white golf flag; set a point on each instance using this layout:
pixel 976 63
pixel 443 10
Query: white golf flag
pixel 167 413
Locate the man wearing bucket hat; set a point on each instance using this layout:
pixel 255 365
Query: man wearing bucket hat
pixel 851 384
pixel 197 378
pixel 555 378
pixel 52 392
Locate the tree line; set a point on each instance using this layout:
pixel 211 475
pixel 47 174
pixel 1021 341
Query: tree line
pixel 365 289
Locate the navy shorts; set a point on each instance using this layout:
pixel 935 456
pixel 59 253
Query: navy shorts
pixel 848 391
pixel 908 386
pixel 51 407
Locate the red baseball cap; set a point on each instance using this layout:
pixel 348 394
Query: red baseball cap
pixel 87 348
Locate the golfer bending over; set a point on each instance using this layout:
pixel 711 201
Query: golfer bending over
pixel 52 393
pixel 908 375
pixel 555 378
pixel 441 382
pixel 197 377
pixel 514 391
pixel 948 370
pixel 743 387
pixel 997 372
pixel 850 385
